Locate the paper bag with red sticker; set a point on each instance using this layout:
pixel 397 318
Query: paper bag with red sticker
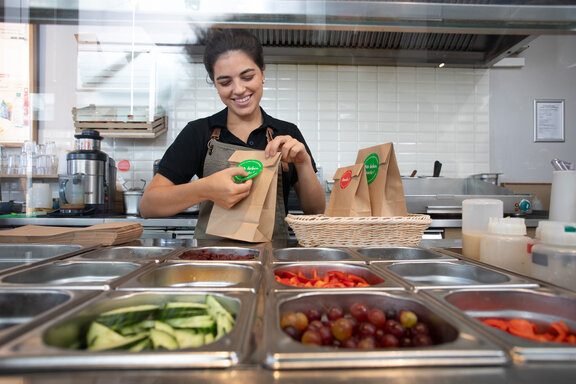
pixel 349 196
pixel 252 219
pixel 384 180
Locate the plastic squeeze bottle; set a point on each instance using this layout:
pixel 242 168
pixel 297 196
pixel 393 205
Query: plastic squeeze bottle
pixel 505 245
pixel 554 253
pixel 475 215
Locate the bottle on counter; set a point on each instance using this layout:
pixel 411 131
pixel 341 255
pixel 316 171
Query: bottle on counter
pixel 505 245
pixel 475 216
pixel 554 253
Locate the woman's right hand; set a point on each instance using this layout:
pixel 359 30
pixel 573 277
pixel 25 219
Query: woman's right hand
pixel 224 191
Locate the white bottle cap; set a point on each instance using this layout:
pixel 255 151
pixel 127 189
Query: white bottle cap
pixel 557 233
pixel 507 226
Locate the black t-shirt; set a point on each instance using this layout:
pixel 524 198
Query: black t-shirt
pixel 185 157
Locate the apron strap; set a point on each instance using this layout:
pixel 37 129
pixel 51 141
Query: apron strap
pixel 216 135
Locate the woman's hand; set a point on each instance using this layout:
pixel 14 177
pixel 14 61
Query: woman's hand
pixel 224 191
pixel 162 198
pixel 292 151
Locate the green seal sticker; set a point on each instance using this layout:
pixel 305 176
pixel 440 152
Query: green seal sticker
pixel 372 164
pixel 253 167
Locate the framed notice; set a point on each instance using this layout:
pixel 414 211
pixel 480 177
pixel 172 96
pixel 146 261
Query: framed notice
pixel 548 120
pixel 17 83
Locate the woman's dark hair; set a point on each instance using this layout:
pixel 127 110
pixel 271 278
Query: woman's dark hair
pixel 221 41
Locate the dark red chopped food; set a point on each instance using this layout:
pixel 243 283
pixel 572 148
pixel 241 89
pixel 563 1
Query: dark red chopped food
pixel 205 254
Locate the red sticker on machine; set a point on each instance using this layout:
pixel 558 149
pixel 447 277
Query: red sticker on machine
pixel 346 178
pixel 123 165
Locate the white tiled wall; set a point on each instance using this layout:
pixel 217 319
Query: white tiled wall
pixel 429 114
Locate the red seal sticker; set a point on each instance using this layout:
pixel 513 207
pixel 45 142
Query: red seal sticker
pixel 346 178
pixel 123 165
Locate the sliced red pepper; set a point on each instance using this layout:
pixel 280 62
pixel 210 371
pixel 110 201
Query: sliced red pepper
pixel 561 330
pixel 357 279
pixel 315 275
pixel 497 323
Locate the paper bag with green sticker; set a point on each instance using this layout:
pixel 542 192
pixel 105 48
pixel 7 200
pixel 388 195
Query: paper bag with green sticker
pixel 349 196
pixel 251 219
pixel 384 180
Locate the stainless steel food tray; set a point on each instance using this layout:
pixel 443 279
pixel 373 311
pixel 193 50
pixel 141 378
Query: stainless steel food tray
pixel 178 276
pixel 377 279
pixel 404 254
pixel 453 275
pixel 315 255
pixel 127 253
pixel 22 308
pixel 72 274
pixel 16 256
pixel 45 347
pixel 459 344
pixel 237 254
pixel 540 305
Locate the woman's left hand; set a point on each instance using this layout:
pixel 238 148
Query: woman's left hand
pixel 292 151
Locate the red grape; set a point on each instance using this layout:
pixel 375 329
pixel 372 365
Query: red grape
pixel 394 327
pixel 326 335
pixel 292 332
pixel 389 341
pixel 366 329
pixel 422 341
pixel 313 314
pixel 359 311
pixel 366 343
pixel 377 317
pixel 407 318
pixel 335 313
pixel 311 337
pixel 420 329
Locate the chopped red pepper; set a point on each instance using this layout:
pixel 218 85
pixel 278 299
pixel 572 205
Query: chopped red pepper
pixel 528 330
pixel 332 279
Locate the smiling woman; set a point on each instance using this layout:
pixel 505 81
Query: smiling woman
pixel 235 64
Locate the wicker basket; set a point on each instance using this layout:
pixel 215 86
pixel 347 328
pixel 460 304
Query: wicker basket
pixel 323 231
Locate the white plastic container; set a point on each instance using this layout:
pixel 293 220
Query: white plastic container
pixel 505 245
pixel 475 216
pixel 554 254
pixel 40 197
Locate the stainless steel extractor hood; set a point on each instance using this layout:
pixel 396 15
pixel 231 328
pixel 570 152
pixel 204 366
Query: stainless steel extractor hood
pixel 459 33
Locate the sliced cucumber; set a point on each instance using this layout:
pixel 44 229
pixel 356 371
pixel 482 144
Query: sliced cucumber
pixel 181 309
pixel 187 338
pixel 214 307
pixel 141 345
pixel 208 338
pixel 163 340
pixel 161 326
pixel 102 338
pixel 205 321
pixel 99 334
pixel 223 325
pixel 126 316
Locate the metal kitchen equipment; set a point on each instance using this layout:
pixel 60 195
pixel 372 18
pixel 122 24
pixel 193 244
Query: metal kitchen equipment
pixel 100 170
pixel 434 195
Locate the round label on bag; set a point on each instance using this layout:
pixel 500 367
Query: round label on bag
pixel 345 179
pixel 253 167
pixel 372 164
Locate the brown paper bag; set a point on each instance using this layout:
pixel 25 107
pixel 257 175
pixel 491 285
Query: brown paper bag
pixel 384 180
pixel 251 219
pixel 350 195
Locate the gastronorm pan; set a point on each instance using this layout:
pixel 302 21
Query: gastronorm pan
pixel 15 255
pixel 456 343
pixel 377 279
pixel 315 255
pixel 453 274
pixel 127 253
pixel 20 307
pixel 541 306
pixel 374 255
pixel 51 345
pixel 71 274
pixel 219 254
pixel 175 276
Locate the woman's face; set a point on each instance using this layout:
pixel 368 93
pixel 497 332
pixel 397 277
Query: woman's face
pixel 239 83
